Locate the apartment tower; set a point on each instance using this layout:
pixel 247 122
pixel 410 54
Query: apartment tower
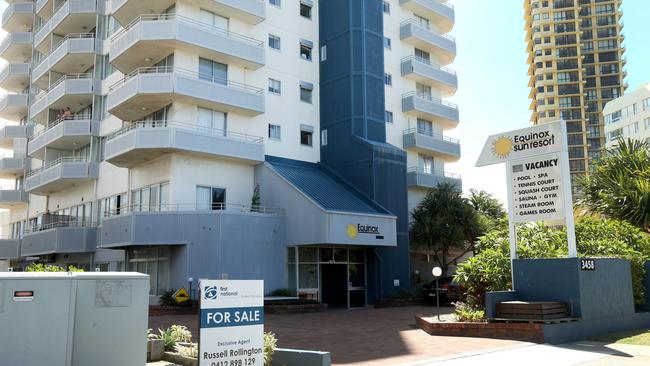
pixel 575 57
pixel 284 140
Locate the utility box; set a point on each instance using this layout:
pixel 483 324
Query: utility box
pixel 73 319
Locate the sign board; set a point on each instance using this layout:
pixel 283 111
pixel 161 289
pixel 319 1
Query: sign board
pixel 537 190
pixel 587 264
pixel 538 177
pixel 231 323
pixel 181 295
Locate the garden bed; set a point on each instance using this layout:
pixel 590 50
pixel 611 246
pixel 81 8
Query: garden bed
pixel 293 306
pixel 527 332
pixel 399 302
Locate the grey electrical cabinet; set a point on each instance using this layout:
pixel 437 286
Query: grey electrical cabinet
pixel 73 319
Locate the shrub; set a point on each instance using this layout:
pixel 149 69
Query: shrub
pixel 167 298
pixel 41 267
pixel 468 313
pixel 172 335
pixel 490 269
pixel 191 350
pixel 283 292
pixel 270 343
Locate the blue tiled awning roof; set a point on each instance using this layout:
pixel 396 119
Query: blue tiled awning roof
pixel 323 187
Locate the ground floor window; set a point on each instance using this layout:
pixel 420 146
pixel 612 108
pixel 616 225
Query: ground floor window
pixel 333 275
pixel 154 262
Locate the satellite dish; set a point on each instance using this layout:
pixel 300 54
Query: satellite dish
pixel 436 272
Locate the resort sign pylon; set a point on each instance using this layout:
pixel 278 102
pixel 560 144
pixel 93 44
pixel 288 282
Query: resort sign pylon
pixel 538 177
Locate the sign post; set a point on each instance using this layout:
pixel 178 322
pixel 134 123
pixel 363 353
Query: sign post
pixel 231 323
pixel 538 177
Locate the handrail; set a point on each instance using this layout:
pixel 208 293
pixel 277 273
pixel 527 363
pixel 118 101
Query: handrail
pixel 68 37
pixel 56 122
pixel 61 222
pixel 430 99
pixel 205 26
pixel 208 131
pixel 436 136
pixel 417 23
pixel 428 63
pixel 9 38
pixel 60 80
pixel 180 71
pixel 437 173
pixel 188 207
pixel 63 159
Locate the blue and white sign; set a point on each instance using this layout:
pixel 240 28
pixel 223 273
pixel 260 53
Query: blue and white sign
pixel 232 323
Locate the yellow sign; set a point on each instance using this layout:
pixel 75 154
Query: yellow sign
pixel 181 295
pixel 352 231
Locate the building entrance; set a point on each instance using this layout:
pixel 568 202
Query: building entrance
pixel 334 285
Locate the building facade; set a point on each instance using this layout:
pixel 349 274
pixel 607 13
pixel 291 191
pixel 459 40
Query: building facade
pixel 575 57
pixel 628 117
pixel 225 139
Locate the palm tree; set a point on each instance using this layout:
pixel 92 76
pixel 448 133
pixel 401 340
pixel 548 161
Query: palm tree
pixel 619 184
pixel 444 220
pixel 491 213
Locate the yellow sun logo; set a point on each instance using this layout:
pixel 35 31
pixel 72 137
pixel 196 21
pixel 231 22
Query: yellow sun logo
pixel 502 146
pixel 352 231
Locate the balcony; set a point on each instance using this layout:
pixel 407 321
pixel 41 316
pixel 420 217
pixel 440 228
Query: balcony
pixel 178 223
pixel 150 38
pixel 13 107
pixel 250 11
pixel 16 47
pixel 60 174
pixel 44 8
pixel 152 88
pixel 72 16
pixel 441 13
pixel 14 77
pixel 143 141
pixel 12 197
pixel 420 36
pixel 10 132
pixel 424 106
pixel 18 16
pixel 423 71
pixel 64 236
pixel 417 178
pixel 63 134
pixel 74 54
pixel 13 166
pixel 427 143
pixel 75 91
pixel 9 248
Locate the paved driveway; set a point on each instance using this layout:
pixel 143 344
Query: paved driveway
pixel 360 337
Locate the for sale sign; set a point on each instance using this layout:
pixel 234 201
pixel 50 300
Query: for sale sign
pixel 232 323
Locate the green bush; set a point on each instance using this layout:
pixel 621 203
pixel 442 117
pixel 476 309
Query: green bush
pixel 41 267
pixel 467 313
pixel 490 269
pixel 283 292
pixel 172 335
pixel 167 298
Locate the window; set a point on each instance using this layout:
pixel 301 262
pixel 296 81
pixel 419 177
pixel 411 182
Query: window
pixel 388 79
pixel 210 121
pixel 323 138
pixel 306 91
pixel 274 42
pixel 422 21
pixel 388 116
pixel 425 164
pixel 323 53
pixel 387 44
pixel 386 6
pixel 422 56
pixel 153 261
pixel 423 91
pixel 275 132
pixel 306 135
pixel 425 127
pixel 305 50
pixel 210 198
pixel 646 104
pixel 275 86
pixel 277 3
pixel 210 18
pixel 305 9
pixel 153 197
pixel 110 206
pixel 213 71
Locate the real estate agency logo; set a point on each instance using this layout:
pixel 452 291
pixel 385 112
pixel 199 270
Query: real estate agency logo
pixel 210 292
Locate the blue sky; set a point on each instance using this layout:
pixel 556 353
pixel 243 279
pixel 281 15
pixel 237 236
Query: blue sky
pixel 493 85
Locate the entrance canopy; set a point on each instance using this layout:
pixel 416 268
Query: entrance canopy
pixel 320 208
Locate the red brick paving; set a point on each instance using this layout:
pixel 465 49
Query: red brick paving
pixel 365 337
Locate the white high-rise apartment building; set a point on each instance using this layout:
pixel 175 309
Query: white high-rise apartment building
pixel 628 117
pixel 152 135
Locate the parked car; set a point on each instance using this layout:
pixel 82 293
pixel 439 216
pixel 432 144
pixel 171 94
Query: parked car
pixel 447 289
